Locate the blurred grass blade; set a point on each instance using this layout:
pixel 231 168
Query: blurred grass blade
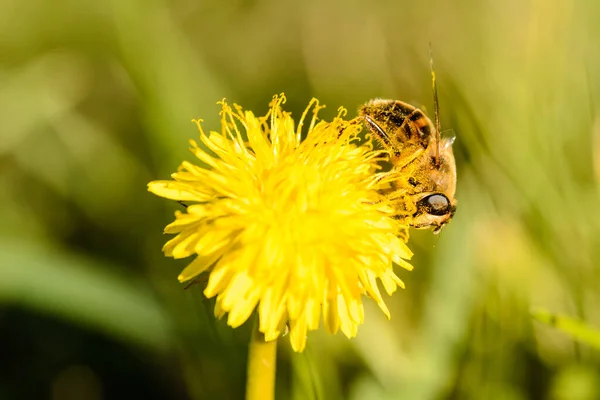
pixel 578 330
pixel 80 291
pixel 173 78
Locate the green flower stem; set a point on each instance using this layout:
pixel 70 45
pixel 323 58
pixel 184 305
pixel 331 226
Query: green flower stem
pixel 261 367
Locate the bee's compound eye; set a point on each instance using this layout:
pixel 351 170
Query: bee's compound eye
pixel 434 204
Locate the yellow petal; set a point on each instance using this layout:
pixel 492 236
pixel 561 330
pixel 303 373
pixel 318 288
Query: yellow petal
pixel 198 266
pixel 176 191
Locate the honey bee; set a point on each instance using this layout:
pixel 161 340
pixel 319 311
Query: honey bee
pixel 423 172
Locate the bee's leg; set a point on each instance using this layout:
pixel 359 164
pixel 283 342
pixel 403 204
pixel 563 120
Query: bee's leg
pixel 403 210
pixel 399 169
pixel 403 233
pixel 402 202
pixel 402 162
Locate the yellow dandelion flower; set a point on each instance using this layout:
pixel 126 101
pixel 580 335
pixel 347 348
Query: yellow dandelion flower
pixel 295 229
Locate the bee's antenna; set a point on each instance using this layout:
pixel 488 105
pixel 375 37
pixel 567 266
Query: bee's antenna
pixel 436 107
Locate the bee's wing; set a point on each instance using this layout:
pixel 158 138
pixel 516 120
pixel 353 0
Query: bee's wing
pixel 397 124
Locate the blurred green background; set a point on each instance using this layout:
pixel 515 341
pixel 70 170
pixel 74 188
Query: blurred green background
pixel 96 100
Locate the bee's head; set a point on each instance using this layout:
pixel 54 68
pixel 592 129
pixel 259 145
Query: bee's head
pixel 433 188
pixel 433 211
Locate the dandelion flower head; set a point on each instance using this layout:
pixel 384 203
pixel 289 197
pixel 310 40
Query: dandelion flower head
pixel 293 228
